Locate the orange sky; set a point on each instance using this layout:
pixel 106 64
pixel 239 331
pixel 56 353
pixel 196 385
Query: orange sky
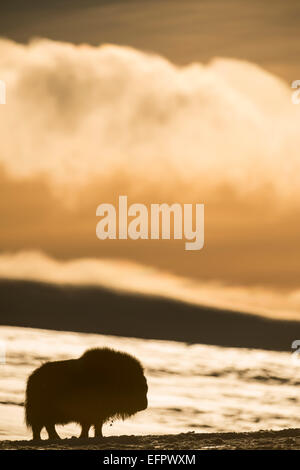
pixel 86 123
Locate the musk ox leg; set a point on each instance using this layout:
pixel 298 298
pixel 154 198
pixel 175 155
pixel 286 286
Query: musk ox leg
pixel 84 429
pixel 98 430
pixel 52 434
pixel 36 431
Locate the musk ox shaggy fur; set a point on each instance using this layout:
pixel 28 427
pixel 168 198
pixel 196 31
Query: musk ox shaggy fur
pixel 101 385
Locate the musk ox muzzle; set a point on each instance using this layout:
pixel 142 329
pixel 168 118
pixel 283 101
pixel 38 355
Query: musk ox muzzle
pixel 101 385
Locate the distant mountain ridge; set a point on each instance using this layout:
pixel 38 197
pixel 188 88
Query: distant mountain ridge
pixel 99 310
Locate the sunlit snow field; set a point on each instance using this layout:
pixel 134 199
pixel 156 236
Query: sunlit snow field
pixel 191 387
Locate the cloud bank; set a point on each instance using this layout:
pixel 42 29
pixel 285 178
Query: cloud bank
pixel 81 113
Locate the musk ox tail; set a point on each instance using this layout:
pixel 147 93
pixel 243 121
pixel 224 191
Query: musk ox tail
pixel 36 397
pixel 30 402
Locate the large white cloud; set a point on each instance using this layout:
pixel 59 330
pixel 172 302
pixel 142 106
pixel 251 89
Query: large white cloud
pixel 79 112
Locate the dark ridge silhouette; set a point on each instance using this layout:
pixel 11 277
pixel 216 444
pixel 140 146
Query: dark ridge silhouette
pixel 102 384
pixel 104 311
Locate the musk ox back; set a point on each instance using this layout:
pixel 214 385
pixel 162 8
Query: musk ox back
pixel 100 385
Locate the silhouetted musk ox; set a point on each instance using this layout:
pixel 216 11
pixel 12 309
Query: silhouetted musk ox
pixel 100 385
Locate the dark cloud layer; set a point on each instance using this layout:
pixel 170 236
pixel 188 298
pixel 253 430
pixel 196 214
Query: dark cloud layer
pixel 260 31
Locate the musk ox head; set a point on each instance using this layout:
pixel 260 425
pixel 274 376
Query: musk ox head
pixel 124 373
pixel 102 384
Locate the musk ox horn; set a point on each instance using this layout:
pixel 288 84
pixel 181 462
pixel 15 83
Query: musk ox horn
pixel 102 384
